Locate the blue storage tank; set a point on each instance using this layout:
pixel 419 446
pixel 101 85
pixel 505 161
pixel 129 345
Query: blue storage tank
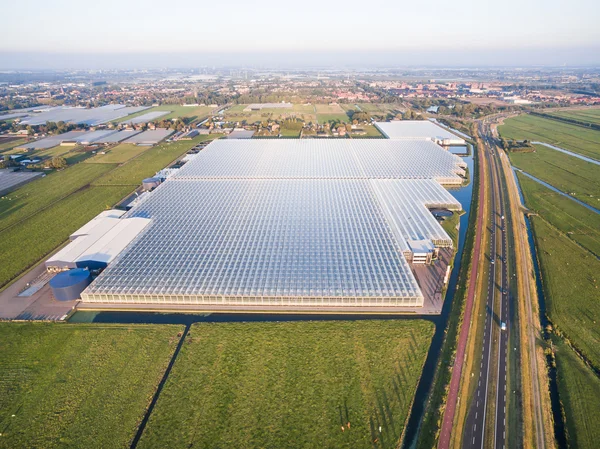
pixel 68 285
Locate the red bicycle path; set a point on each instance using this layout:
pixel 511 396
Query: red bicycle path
pixel 448 420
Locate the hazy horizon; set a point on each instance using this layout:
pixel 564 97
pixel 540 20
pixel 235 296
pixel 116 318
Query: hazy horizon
pixel 69 34
pixel 574 57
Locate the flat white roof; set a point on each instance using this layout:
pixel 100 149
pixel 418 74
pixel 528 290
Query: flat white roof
pixel 88 228
pixel 151 136
pixel 416 129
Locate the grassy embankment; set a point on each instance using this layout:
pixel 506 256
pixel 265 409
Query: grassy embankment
pixel 291 384
pixel 78 386
pixel 40 216
pixel 574 138
pixel 432 419
pixel 568 174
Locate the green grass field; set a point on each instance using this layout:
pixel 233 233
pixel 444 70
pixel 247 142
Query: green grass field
pixel 372 132
pixel 196 113
pixel 31 198
pixel 118 154
pixel 290 385
pixel 575 138
pixel 78 386
pixel 568 174
pixel 151 161
pixel 588 115
pixel 571 279
pixel 23 245
pixel 579 390
pixel 575 221
pixel 237 114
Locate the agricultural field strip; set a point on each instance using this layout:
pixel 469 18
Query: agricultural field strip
pixel 568 174
pixel 573 220
pixel 78 385
pixel 579 390
pixel 570 277
pixel 291 384
pixel 575 138
pixel 585 115
pixel 43 193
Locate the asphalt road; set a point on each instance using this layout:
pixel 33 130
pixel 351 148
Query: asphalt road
pixel 495 340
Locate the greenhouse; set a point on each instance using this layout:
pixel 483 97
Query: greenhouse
pixel 286 223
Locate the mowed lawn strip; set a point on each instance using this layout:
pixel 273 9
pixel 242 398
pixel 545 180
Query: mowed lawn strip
pixel 78 385
pixel 571 279
pixel 575 138
pixel 567 173
pixel 42 192
pixel 575 221
pixel 118 154
pixel 579 390
pixel 151 161
pixel 32 239
pixel 290 385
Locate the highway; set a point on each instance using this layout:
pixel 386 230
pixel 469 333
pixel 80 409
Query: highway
pixel 490 394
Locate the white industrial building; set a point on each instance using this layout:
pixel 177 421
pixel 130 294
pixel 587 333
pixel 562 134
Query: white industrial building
pixel 98 242
pixel 418 129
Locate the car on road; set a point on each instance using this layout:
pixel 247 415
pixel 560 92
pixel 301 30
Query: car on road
pixel 503 326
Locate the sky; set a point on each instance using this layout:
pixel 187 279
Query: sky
pixel 161 33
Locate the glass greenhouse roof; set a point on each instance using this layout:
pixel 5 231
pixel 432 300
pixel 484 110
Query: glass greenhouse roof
pixel 256 222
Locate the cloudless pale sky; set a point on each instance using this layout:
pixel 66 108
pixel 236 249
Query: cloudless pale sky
pixel 130 26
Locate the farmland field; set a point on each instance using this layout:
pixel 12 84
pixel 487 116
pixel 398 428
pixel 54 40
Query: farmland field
pixel 575 138
pixel 579 390
pixel 588 115
pixel 23 245
pixel 78 386
pixel 151 161
pixel 371 131
pixel 118 154
pixel 7 145
pixel 575 221
pixel 237 114
pixel 571 279
pixel 568 174
pixel 42 192
pixel 331 112
pixel 196 113
pixel 291 384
